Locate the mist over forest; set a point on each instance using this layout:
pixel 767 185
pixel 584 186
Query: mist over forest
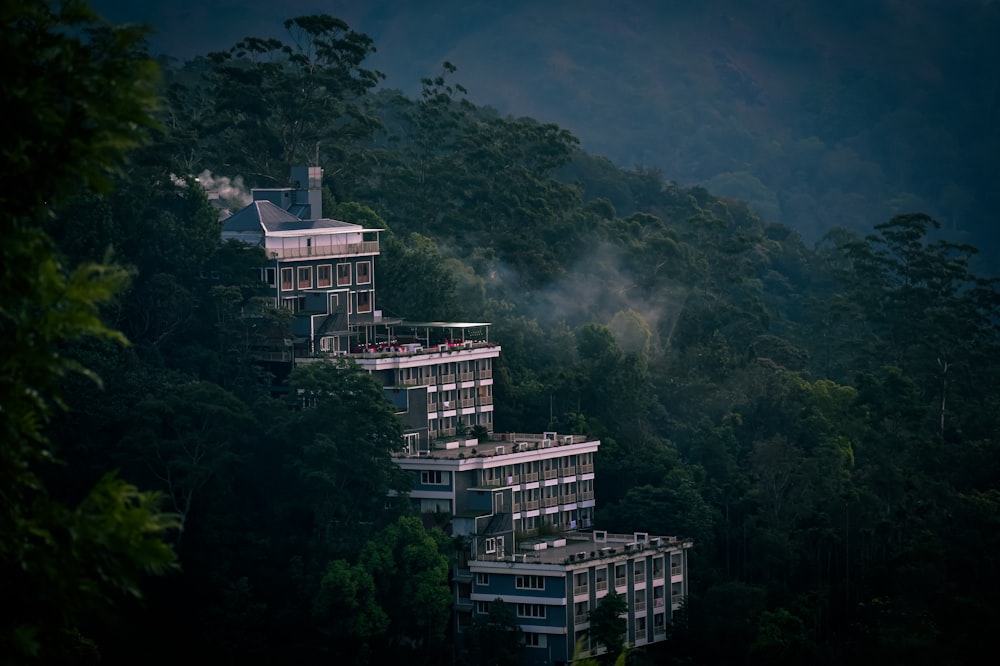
pixel 773 313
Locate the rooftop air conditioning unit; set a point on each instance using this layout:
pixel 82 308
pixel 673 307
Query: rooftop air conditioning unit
pixel 500 450
pixel 546 444
pixel 567 439
pixel 654 541
pixel 442 347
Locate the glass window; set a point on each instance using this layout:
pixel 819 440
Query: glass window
pixel 364 269
pixel 343 275
pixel 364 301
pixel 305 277
pixel 286 279
pixel 323 274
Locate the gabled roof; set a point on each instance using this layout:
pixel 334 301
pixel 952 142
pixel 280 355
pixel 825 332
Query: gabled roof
pixel 295 224
pixel 262 218
pixel 256 217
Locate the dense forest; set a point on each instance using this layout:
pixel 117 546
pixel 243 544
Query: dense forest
pixel 821 419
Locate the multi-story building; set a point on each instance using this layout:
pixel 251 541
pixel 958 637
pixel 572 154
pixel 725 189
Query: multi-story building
pixel 320 269
pixel 500 491
pixel 552 584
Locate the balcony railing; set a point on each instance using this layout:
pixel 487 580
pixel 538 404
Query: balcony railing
pixel 485 400
pixel 586 495
pixel 550 473
pixel 601 585
pixel 583 618
pixel 660 629
pixel 485 374
pixel 466 376
pixel 658 602
pixel 341 250
pixel 550 501
pixel 530 505
pixel 580 590
pixel 676 570
pixel 531 477
pixel 640 577
pixel 468 402
pixel 585 469
pixel 657 573
pixel 446 379
pixel 640 605
pixel 620 581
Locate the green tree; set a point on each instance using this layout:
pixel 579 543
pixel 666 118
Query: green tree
pixel 494 639
pixel 411 581
pixel 301 101
pixel 608 624
pixel 80 94
pixel 344 431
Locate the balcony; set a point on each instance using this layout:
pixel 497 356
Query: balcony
pixel 676 570
pixel 485 400
pixel 585 495
pixel 585 469
pixel 620 582
pixel 340 250
pixel 485 374
pixel 640 577
pixel 601 585
pixel 530 505
pixel 550 501
pixel 446 379
pixel 550 473
pixel 580 590
pixel 581 619
pixel 466 376
pixel 640 605
pixel 530 478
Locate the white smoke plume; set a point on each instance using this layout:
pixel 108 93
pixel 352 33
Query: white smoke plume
pixel 230 191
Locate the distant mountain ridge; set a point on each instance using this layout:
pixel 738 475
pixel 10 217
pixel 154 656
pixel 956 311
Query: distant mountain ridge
pixel 818 114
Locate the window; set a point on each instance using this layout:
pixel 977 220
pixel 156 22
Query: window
pixel 491 545
pixel 269 276
pixel 483 579
pixel 364 301
pixel 305 277
pixel 343 275
pixel 364 271
pixel 433 478
pixel 529 582
pixel 533 640
pixel 530 610
pixel 323 274
pixel 483 607
pixel 286 279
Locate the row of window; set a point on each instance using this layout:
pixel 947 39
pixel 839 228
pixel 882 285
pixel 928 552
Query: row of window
pixel 447 373
pixel 447 426
pixel 358 302
pixel 302 276
pixel 465 398
pixel 549 468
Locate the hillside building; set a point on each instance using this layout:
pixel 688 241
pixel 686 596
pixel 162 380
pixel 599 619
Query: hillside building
pixel 524 503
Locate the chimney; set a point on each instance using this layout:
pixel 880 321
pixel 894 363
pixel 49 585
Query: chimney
pixel 308 185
